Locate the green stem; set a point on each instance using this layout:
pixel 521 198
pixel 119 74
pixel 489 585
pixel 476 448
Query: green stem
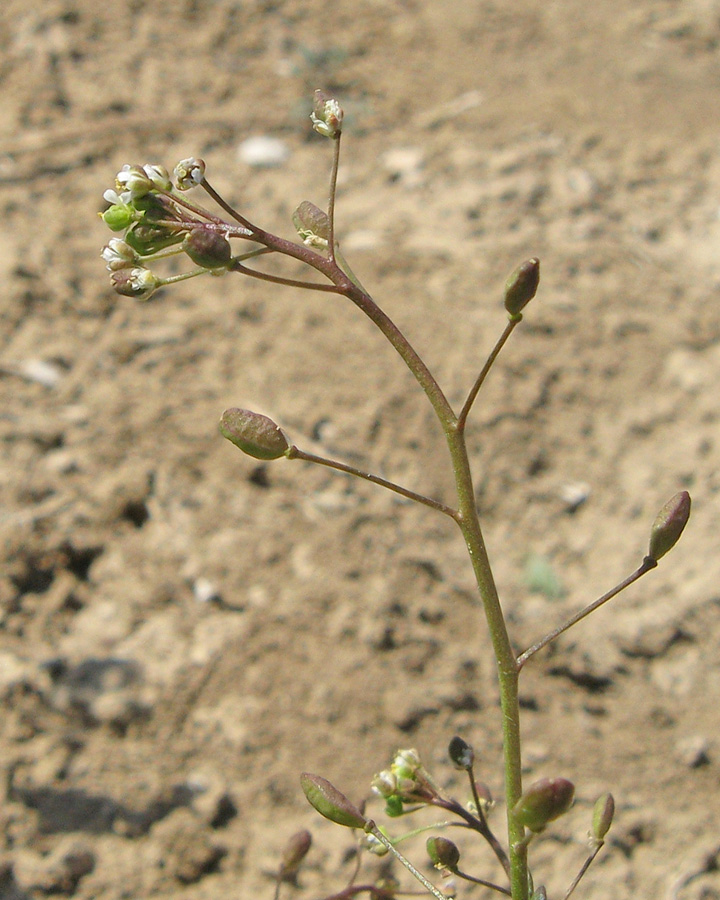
pixel 507 667
pixel 372 828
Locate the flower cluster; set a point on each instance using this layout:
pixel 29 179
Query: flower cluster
pixel 157 222
pixel 406 781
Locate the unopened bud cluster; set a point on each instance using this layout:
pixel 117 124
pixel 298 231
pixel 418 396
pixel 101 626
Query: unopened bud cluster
pixel 406 781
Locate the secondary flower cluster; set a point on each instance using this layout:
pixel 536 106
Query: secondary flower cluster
pixel 406 781
pixel 156 222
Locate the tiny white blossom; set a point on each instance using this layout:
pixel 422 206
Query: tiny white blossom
pixel 135 180
pixel 327 115
pixel 189 173
pixel 117 199
pixel 118 255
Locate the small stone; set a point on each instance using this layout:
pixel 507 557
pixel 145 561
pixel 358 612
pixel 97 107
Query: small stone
pixel 573 494
pixel 693 751
pixel 263 151
pixel 44 373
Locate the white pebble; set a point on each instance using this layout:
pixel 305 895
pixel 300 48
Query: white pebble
pixel 263 151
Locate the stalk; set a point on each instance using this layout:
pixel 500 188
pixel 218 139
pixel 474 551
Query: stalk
pixel 507 668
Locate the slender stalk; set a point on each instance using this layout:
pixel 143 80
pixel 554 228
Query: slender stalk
pixel 509 328
pixel 483 882
pixel 226 206
pixel 583 869
pixel 237 266
pixel 372 828
pixel 477 823
pixel 296 453
pixel 333 192
pixel 647 565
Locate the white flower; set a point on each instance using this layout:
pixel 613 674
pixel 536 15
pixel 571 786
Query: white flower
pixel 135 181
pixel 159 176
pixel 189 173
pixel 118 255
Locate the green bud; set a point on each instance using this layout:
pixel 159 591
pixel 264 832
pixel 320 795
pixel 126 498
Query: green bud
pixel 522 286
pixel 461 754
pixel 603 813
pixel 539 893
pixel 330 803
pixel 669 525
pixel 254 433
pixel 394 807
pixel 207 248
pixel 544 801
pixel 119 216
pixel 443 853
pixel 147 238
pixel 296 850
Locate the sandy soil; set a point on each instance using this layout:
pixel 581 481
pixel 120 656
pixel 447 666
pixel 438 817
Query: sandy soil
pixel 182 631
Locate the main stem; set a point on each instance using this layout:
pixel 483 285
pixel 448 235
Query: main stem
pixel 508 670
pixel 507 667
pixel 468 520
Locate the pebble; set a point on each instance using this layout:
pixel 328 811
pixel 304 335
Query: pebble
pixel 263 151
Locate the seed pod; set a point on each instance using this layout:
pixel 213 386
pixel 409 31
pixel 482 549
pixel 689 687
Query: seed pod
pixel 296 850
pixel 669 525
pixel 207 248
pixel 330 803
pixel 603 813
pixel 443 853
pixel 522 286
pixel 461 754
pixel 544 801
pixel 309 219
pixel 254 433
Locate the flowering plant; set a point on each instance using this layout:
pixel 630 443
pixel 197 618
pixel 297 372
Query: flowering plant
pixel 157 221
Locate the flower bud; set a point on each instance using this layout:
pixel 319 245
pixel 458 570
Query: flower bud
pixel 327 115
pixel 148 237
pixel 461 754
pixel 189 173
pixel 135 180
pixel 669 525
pixel 207 248
pixel 119 216
pixel 330 803
pixel 544 801
pixel 254 433
pixel 394 807
pixel 603 813
pixel 296 850
pixel 443 853
pixel 522 286
pixel 159 177
pixel 139 282
pixel 406 764
pixel 539 893
pixel 385 784
pixel 118 255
